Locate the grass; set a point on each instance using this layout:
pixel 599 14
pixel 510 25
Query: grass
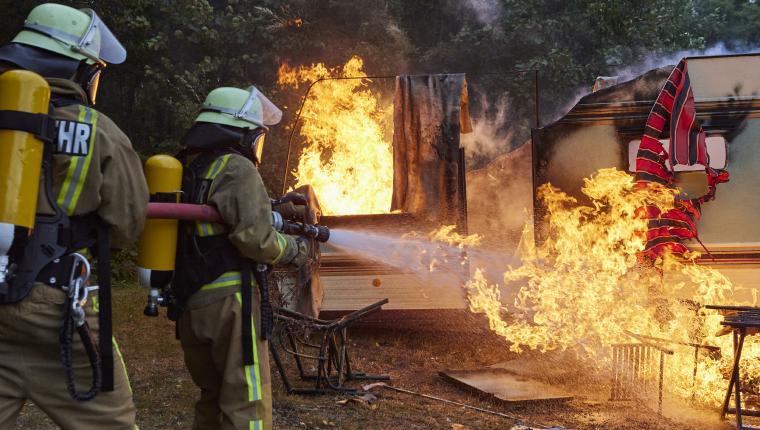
pixel 164 393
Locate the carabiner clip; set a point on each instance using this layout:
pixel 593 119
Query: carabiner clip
pixel 77 289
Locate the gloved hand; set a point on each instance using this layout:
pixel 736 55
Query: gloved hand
pixel 293 206
pixel 296 198
pixel 290 212
pixel 304 253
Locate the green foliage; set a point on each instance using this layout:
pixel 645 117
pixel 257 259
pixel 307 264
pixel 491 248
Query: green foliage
pixel 178 50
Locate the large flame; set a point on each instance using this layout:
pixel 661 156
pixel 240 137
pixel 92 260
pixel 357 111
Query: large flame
pixel 583 288
pixel 346 158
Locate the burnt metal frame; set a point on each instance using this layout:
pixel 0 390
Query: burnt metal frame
pixel 712 350
pixel 629 362
pixel 633 354
pixel 739 319
pixel 333 363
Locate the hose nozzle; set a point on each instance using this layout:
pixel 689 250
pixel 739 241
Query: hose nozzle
pixel 319 233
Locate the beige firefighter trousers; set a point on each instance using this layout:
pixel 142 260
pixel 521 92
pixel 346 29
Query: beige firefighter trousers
pixel 31 369
pixel 233 396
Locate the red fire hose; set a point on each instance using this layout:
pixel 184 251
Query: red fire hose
pixel 184 211
pixel 206 213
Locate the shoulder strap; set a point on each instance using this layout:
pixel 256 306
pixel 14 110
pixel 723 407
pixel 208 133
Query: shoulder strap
pixel 41 125
pixel 61 101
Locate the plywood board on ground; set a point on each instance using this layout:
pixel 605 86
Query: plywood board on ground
pixel 505 385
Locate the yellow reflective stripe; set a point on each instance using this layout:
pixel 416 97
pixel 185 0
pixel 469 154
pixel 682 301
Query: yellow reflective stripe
pixel 211 168
pixel 207 228
pixel 252 372
pixel 228 279
pixel 216 167
pixel 118 352
pixel 87 160
pixel 256 425
pixel 282 243
pixel 73 165
pixel 204 228
pixel 78 166
pixel 225 159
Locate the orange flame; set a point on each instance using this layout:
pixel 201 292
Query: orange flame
pixel 448 235
pixel 584 289
pixel 347 158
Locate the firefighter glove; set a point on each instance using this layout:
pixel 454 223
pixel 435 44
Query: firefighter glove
pixel 304 253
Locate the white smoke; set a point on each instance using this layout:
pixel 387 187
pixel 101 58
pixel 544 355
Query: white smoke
pixel 492 133
pixel 652 62
pixel 487 11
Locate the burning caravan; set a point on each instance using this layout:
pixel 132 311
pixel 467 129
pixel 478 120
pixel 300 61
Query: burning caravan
pixel 604 130
pixel 428 191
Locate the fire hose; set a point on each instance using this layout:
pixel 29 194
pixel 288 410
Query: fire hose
pixel 207 213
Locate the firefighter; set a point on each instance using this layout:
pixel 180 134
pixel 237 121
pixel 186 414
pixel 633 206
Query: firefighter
pixel 91 191
pixel 225 318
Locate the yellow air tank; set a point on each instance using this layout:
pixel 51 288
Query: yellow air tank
pixel 157 246
pixel 20 158
pixel 21 151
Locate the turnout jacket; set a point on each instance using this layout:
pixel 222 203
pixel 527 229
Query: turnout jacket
pixel 238 193
pixel 95 168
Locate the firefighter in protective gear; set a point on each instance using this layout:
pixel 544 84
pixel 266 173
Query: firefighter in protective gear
pixel 223 319
pixel 90 188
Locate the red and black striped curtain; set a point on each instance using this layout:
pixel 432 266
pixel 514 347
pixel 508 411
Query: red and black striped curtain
pixel 668 230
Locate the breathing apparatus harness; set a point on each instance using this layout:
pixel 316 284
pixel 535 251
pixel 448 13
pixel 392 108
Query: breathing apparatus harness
pixel 202 259
pixel 49 256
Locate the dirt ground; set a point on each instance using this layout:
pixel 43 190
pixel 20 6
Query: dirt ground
pixel 164 393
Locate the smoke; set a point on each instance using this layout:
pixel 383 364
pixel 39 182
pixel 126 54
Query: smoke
pixel 487 11
pixel 650 62
pixel 500 197
pixel 492 132
pixel 655 61
pixel 499 188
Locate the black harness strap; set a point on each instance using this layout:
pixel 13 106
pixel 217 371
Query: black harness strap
pixel 246 296
pixel 41 125
pixel 267 314
pixel 104 300
pixel 202 259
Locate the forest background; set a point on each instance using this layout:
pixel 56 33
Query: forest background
pixel 179 50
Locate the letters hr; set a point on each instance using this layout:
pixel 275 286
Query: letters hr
pixel 73 137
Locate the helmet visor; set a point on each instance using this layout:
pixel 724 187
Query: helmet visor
pixel 107 47
pixel 270 114
pixel 257 110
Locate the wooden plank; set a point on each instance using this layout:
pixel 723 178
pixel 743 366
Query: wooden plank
pixel 504 385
